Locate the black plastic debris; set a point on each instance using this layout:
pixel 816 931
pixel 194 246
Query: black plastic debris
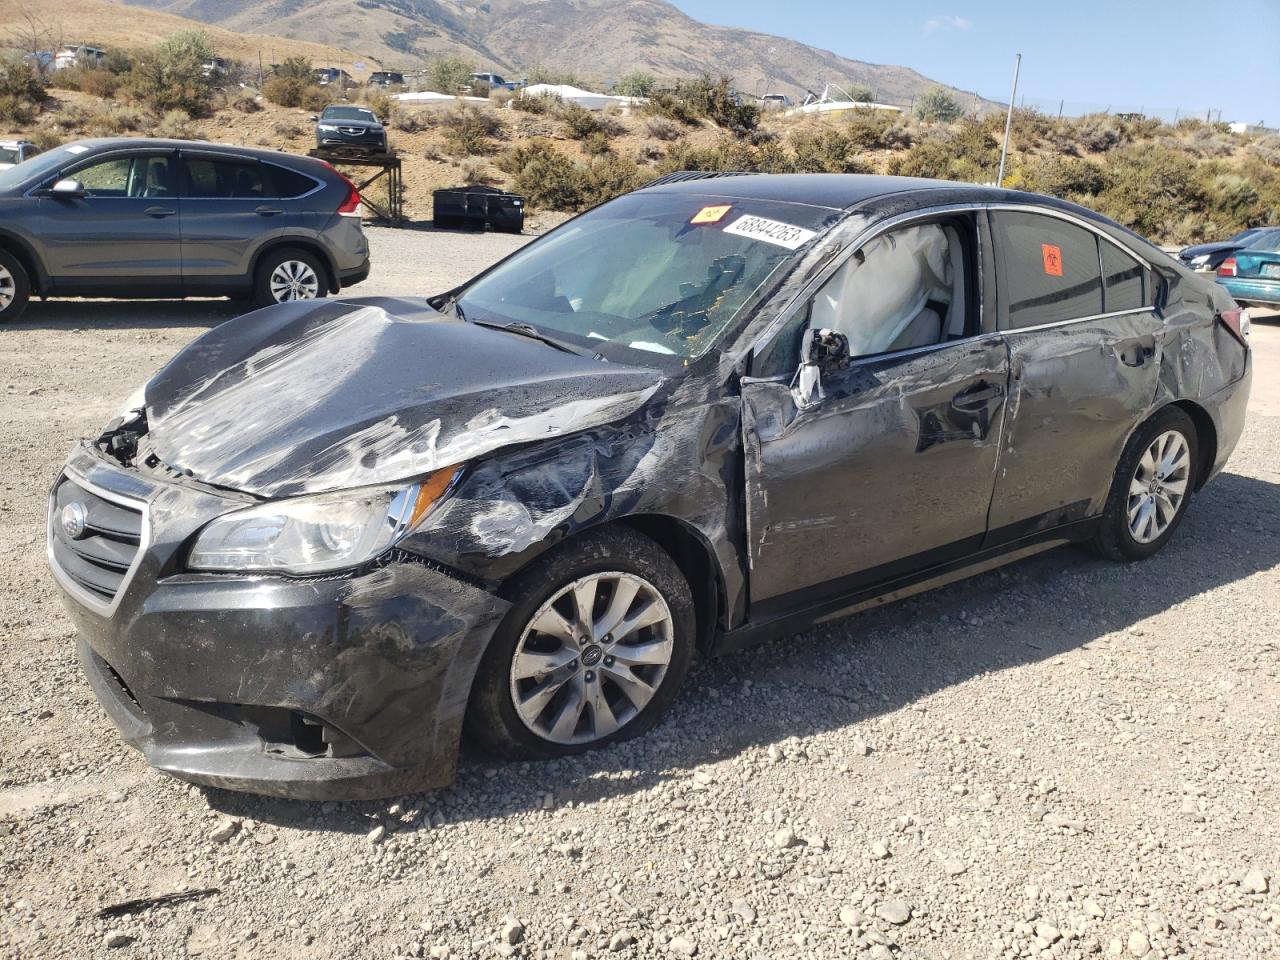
pixel 164 899
pixel 479 207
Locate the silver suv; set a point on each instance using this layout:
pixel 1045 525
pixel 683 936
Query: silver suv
pixel 134 217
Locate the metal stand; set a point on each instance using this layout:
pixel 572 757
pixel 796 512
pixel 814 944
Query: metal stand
pixel 388 166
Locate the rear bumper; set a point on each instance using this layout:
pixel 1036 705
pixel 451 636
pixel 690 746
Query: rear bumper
pixel 1252 289
pixel 342 688
pixel 353 275
pixel 1227 407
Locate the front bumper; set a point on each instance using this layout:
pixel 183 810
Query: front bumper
pixel 1252 289
pixel 363 142
pixel 326 688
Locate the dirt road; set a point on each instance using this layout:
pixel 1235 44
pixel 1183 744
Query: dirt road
pixel 1064 758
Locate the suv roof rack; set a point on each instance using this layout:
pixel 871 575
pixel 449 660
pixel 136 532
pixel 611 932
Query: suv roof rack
pixel 681 175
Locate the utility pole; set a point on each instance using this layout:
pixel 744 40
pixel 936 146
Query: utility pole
pixel 1008 120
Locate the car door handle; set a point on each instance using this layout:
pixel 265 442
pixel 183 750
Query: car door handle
pixel 268 211
pixel 977 397
pixel 159 212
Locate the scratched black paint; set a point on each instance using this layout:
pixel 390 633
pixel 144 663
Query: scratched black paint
pixel 780 511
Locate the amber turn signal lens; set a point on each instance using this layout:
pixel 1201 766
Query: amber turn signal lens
pixel 430 490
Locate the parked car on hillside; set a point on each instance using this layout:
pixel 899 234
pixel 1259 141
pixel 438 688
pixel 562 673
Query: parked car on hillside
pixel 1208 257
pixel 78 55
pixel 386 78
pixel 325 538
pixel 1252 275
pixel 13 152
pixel 494 81
pixel 333 77
pixel 133 217
pixel 346 129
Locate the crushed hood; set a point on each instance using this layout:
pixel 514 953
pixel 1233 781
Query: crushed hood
pixel 325 395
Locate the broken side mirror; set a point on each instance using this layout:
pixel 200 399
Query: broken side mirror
pixel 822 350
pixel 67 189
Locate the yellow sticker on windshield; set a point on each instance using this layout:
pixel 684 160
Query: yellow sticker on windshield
pixel 712 214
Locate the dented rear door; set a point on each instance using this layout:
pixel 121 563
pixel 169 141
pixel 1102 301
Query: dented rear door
pixel 1085 356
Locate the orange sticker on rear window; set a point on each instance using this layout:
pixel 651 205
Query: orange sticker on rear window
pixel 1052 259
pixel 711 214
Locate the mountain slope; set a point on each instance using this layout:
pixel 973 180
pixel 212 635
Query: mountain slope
pixel 601 39
pixel 107 24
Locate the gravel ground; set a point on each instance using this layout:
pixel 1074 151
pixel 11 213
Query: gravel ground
pixel 1062 758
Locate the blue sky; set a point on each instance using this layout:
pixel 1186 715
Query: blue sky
pixel 1157 54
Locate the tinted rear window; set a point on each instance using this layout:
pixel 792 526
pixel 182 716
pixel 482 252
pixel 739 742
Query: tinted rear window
pixel 1125 279
pixel 288 183
pixel 225 179
pixel 1048 267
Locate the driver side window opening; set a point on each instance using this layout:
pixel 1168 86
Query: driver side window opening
pixel 129 177
pixel 915 286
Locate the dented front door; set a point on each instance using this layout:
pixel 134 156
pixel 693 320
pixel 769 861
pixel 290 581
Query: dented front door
pixel 891 471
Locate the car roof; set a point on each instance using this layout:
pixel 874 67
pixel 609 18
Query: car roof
pixel 151 143
pixel 881 197
pixel 836 191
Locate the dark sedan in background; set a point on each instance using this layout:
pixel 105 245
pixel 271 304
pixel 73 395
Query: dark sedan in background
pixel 1207 257
pixel 346 129
pixel 325 538
pixel 140 218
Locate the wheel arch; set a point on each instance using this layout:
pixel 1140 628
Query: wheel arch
pixel 305 244
pixel 1206 437
pixel 25 255
pixel 697 562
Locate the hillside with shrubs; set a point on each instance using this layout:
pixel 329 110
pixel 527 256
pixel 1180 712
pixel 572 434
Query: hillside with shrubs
pixel 1173 183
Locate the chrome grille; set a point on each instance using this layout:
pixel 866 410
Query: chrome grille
pixel 96 563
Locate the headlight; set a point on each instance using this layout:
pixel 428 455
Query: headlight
pixel 1200 261
pixel 328 127
pixel 317 534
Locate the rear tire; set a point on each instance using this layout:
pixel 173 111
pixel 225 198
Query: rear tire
pixel 555 683
pixel 15 287
pixel 288 274
pixel 1151 489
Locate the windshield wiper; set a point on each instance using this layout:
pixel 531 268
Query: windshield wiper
pixel 530 331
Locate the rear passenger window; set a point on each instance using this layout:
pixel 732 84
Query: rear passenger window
pixel 225 179
pixel 1048 268
pixel 1125 280
pixel 288 184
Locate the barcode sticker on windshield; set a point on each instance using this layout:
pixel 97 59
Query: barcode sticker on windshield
pixel 770 231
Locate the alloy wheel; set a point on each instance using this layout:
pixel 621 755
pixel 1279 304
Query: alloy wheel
pixel 1159 486
pixel 8 288
pixel 592 657
pixel 294 280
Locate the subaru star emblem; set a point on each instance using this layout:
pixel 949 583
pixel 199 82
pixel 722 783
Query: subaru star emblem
pixel 74 520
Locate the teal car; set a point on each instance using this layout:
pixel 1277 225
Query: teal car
pixel 1252 276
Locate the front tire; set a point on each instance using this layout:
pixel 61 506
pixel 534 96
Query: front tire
pixel 288 274
pixel 15 287
pixel 1152 488
pixel 593 651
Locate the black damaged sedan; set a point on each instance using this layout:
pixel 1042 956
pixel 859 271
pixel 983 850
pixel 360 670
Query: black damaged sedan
pixel 329 538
